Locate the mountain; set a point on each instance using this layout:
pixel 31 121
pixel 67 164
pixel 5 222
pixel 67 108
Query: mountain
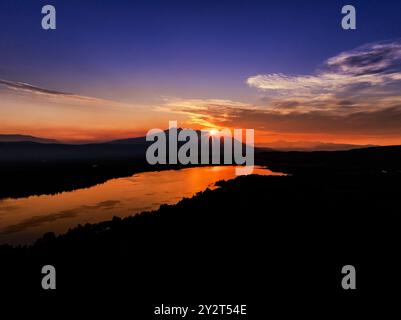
pixel 280 145
pixel 24 138
pixel 31 149
pixel 142 140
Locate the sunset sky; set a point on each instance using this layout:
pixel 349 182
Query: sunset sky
pixel 115 69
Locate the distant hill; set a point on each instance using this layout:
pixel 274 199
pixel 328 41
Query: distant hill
pixel 138 140
pixel 24 138
pixel 340 147
pixel 282 145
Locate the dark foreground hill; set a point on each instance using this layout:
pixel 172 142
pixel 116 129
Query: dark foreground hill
pixel 269 242
pixel 374 160
pixel 274 243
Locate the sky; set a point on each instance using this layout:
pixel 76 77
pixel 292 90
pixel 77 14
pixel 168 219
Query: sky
pixel 116 69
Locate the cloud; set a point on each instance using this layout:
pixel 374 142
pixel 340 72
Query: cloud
pixel 370 70
pixel 371 59
pixel 380 122
pixel 54 95
pixel 30 88
pixel 203 112
pixel 283 115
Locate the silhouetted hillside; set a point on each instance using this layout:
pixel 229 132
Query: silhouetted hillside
pixel 368 160
pixel 288 235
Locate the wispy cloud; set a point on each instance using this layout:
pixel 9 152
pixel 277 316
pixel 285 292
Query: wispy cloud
pixel 33 90
pixel 370 71
pixel 30 88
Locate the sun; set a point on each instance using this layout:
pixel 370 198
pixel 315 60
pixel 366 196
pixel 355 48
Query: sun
pixel 212 132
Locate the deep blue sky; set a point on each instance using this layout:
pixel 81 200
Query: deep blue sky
pixel 129 50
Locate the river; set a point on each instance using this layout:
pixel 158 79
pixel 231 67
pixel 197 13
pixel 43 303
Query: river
pixel 25 219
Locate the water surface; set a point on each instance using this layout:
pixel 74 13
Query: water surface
pixel 25 219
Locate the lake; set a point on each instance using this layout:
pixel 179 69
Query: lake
pixel 25 219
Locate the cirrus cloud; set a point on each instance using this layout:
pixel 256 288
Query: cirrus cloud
pixel 372 70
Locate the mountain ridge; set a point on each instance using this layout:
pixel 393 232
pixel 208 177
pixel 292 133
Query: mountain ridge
pixel 24 138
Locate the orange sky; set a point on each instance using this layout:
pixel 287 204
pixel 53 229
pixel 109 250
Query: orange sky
pixel 353 99
pixel 74 118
